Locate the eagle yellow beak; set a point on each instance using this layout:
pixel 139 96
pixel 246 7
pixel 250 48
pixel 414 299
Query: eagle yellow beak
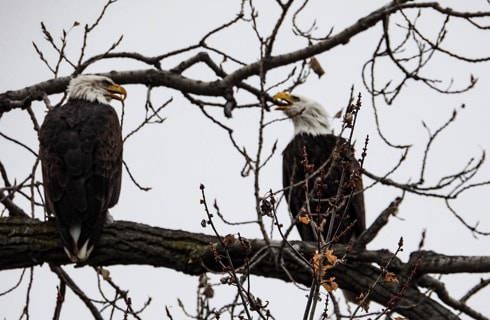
pixel 282 100
pixel 117 92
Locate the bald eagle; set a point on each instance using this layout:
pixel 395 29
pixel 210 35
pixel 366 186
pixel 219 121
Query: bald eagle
pixel 314 163
pixel 81 156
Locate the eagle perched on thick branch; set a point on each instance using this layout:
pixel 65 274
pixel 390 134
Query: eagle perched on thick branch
pixel 81 156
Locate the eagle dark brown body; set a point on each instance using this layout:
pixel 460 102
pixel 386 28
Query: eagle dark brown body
pixel 322 160
pixel 81 155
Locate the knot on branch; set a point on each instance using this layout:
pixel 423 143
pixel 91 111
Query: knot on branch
pixel 230 103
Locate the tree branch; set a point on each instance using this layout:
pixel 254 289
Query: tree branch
pixel 28 242
pixel 23 97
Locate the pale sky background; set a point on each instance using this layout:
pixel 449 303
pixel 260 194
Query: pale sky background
pixel 187 149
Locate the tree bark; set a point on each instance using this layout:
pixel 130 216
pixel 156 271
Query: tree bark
pixel 27 242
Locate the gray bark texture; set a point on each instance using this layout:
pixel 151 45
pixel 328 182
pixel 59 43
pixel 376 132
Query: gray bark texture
pixel 26 242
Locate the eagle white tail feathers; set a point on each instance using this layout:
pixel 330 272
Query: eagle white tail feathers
pixel 75 232
pixel 78 254
pixel 85 251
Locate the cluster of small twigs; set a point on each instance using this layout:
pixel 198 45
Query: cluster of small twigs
pixel 59 47
pixel 412 66
pixel 106 303
pixel 249 302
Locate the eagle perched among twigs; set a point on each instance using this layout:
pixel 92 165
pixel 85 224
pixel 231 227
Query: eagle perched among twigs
pixel 81 156
pixel 321 175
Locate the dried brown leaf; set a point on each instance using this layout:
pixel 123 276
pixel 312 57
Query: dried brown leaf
pixel 316 262
pixel 316 67
pixel 304 218
pixel 332 259
pixel 330 284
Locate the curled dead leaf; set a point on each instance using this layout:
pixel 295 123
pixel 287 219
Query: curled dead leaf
pixel 304 218
pixel 332 259
pixel 316 67
pixel 330 284
pixel 316 262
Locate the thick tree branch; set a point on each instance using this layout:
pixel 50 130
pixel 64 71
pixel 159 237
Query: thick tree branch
pixel 27 242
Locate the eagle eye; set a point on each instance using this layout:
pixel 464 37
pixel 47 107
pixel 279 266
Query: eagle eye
pixel 295 98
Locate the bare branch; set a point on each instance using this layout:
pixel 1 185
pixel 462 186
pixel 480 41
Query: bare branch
pixel 60 298
pixel 64 277
pixel 151 77
pixel 481 285
pixel 370 233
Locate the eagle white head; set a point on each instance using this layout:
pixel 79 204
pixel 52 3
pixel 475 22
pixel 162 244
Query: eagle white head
pixel 308 116
pixel 95 88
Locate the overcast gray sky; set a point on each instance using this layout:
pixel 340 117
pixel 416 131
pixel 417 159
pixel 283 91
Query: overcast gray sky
pixel 187 149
